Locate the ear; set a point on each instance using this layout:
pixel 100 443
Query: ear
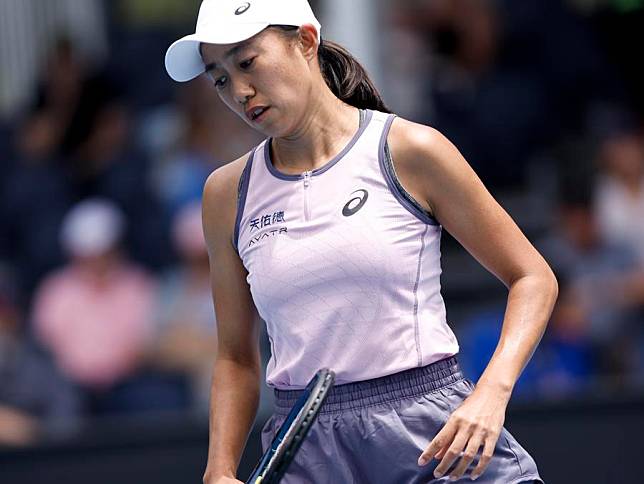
pixel 308 41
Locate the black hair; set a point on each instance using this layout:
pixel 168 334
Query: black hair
pixel 345 76
pixel 347 79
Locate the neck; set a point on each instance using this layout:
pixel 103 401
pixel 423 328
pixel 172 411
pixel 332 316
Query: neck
pixel 327 127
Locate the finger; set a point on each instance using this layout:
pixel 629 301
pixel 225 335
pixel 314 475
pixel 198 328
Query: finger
pixel 441 453
pixel 486 456
pixel 443 439
pixel 470 453
pixel 454 452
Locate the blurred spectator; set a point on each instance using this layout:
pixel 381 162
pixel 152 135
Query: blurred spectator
pixel 107 164
pixel 35 400
pixel 408 76
pixel 604 281
pixel 60 90
pixel 618 25
pixel 34 197
pixel 97 156
pixel 507 78
pixel 211 135
pixel 563 364
pixel 73 95
pixel 620 189
pixel 478 336
pixel 181 177
pixel 94 315
pixel 186 337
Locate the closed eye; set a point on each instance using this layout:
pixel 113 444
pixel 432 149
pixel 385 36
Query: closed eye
pixel 247 63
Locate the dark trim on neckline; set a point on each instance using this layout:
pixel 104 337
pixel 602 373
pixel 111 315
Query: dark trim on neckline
pixel 368 114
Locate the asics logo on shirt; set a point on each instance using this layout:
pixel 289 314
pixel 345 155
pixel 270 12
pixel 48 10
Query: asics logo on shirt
pixel 349 210
pixel 242 9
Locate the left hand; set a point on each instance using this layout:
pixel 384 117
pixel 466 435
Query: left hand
pixel 477 422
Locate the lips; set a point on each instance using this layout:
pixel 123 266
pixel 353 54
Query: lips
pixel 256 112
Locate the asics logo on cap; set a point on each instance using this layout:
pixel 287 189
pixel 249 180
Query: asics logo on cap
pixel 242 8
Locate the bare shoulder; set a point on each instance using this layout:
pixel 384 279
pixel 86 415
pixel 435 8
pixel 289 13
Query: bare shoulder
pixel 425 162
pixel 428 158
pixel 220 196
pixel 417 144
pixel 224 180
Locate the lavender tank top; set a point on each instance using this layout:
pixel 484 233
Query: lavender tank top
pixel 343 265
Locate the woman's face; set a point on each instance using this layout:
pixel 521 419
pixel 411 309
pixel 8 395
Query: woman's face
pixel 266 79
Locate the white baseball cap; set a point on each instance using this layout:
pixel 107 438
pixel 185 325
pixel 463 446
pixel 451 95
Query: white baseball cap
pixel 229 22
pixel 92 227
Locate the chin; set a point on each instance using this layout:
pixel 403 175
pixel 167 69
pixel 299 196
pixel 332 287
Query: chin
pixel 270 129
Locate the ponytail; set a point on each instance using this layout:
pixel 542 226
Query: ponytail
pixel 347 79
pixel 344 75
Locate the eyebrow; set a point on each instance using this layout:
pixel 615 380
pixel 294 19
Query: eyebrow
pixel 213 65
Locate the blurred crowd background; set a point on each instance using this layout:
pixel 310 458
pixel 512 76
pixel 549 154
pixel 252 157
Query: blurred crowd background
pixel 105 305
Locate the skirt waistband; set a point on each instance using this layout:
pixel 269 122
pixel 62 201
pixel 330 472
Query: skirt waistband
pixel 407 383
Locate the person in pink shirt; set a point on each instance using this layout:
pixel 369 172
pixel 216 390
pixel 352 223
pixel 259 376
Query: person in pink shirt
pixel 94 314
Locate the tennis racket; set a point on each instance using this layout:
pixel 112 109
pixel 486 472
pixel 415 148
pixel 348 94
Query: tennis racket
pixel 273 464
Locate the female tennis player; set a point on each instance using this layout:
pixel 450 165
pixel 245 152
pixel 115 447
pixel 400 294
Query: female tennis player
pixel 331 229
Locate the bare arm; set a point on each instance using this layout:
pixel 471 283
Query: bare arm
pixel 435 172
pixel 236 373
pixel 459 201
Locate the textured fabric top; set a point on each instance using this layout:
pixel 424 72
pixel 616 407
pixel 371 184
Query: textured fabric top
pixel 343 269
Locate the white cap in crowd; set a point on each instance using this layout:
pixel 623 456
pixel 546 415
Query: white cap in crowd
pixel 92 227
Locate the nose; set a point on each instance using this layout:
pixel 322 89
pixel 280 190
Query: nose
pixel 242 90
